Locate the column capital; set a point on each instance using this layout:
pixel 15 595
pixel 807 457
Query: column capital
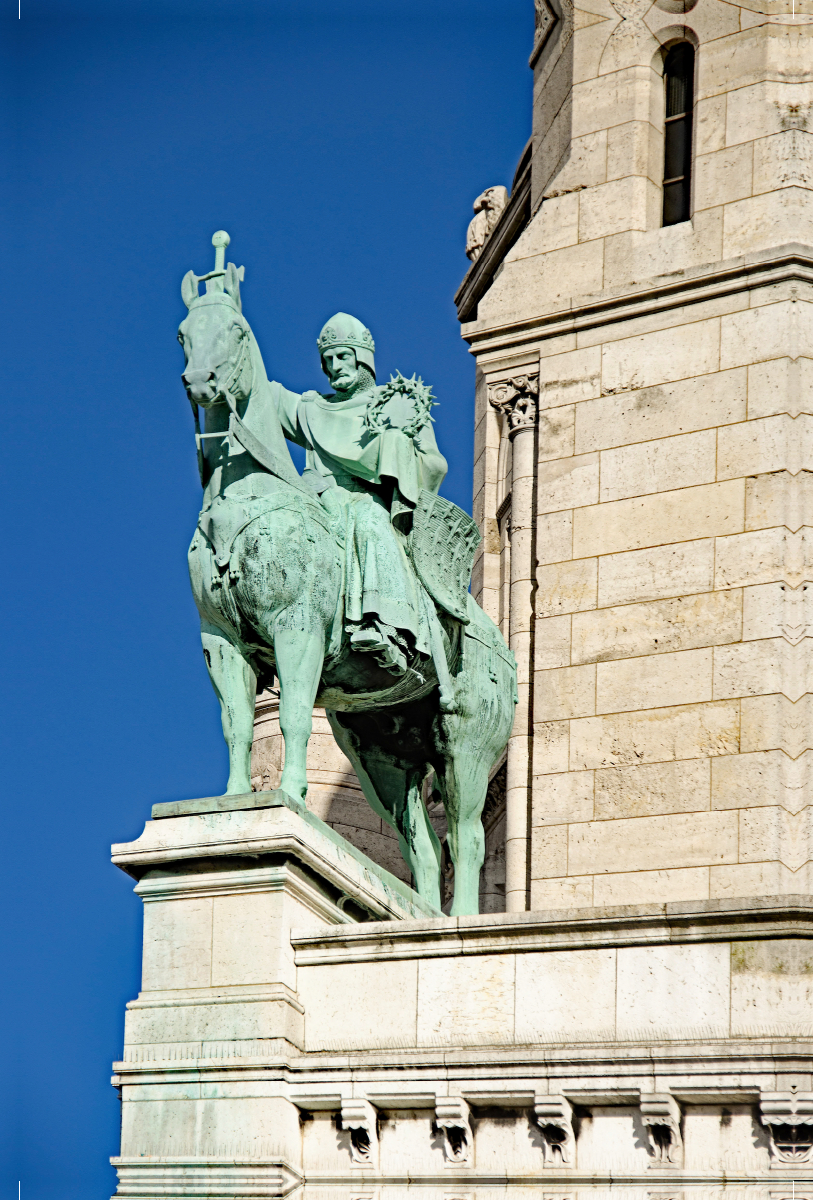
pixel 517 399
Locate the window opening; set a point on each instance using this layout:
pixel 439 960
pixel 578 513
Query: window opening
pixel 677 156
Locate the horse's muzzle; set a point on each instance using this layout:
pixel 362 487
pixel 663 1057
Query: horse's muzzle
pixel 200 385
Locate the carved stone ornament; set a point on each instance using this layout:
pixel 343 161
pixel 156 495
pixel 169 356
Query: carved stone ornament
pixel 554 1116
pixel 544 20
pixel 452 1119
pixel 788 1119
pixel 661 1116
pixel 360 1119
pixel 488 209
pixel 517 398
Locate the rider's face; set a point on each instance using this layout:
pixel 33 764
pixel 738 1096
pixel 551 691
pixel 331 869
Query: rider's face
pixel 342 368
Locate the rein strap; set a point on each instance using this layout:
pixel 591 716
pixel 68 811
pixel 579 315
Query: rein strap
pixel 265 457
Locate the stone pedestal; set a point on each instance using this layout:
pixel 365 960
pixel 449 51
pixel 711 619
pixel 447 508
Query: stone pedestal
pixel 224 880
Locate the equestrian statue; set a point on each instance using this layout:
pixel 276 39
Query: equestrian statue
pixel 348 583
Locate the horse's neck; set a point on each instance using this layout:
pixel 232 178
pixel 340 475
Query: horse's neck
pixel 258 413
pixel 261 413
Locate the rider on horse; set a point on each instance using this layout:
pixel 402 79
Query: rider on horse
pixel 370 452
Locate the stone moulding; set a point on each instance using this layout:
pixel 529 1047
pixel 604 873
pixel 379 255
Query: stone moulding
pixel 205 1176
pixel 789 262
pixel 270 823
pixel 561 929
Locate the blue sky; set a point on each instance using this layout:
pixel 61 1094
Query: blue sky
pixel 341 145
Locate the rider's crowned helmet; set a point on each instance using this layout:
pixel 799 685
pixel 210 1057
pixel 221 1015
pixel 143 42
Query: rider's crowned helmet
pixel 345 332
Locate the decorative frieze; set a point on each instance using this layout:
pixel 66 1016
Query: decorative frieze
pixel 660 1113
pixel 452 1119
pixel 788 1119
pixel 554 1116
pixel 517 399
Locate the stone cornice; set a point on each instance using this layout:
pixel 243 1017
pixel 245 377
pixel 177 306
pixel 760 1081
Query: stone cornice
pixel 790 262
pixel 562 929
pixel 728 1070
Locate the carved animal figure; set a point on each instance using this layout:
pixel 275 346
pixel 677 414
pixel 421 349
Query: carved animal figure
pixel 265 565
pixel 488 209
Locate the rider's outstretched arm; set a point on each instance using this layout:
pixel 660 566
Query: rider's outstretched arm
pixel 287 406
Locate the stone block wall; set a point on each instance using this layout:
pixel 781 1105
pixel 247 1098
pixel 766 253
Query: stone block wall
pixel 598 150
pixel 671 610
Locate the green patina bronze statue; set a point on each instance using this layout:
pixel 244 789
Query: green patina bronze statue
pixel 349 583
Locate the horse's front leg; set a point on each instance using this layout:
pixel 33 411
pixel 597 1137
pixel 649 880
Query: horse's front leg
pixel 299 655
pixel 235 684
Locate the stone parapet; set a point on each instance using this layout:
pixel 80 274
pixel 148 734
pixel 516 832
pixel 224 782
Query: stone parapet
pixel 650 1045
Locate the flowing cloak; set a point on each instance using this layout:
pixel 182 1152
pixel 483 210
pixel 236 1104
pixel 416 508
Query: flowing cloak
pixel 375 478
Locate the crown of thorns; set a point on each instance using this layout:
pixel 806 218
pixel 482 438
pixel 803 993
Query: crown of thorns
pixel 376 419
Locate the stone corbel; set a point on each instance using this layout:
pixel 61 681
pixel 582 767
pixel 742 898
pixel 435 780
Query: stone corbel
pixel 360 1119
pixel 788 1119
pixel 554 1116
pixel 517 399
pixel 661 1116
pixel 452 1118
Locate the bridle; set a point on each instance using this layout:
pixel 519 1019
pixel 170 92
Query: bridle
pixel 224 392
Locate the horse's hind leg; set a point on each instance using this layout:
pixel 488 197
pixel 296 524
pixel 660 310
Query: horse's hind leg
pixel 235 684
pixel 299 655
pixel 463 787
pixel 393 791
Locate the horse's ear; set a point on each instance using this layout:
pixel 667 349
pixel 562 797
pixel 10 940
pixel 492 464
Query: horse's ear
pixel 234 276
pixel 189 288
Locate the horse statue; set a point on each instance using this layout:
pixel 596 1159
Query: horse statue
pixel 267 570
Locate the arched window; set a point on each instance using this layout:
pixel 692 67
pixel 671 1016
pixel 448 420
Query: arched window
pixel 677 154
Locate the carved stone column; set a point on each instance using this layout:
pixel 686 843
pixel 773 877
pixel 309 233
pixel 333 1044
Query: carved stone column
pixel 516 398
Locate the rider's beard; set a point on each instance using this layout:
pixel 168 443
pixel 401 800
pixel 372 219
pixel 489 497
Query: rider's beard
pixel 364 382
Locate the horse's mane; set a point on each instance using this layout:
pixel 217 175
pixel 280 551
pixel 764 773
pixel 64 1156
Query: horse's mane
pixel 257 365
pixel 274 434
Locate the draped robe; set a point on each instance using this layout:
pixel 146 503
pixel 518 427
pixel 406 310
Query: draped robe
pixel 371 481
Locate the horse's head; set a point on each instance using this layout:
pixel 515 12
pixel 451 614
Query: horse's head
pixel 215 336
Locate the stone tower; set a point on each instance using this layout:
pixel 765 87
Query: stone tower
pixel 642 324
